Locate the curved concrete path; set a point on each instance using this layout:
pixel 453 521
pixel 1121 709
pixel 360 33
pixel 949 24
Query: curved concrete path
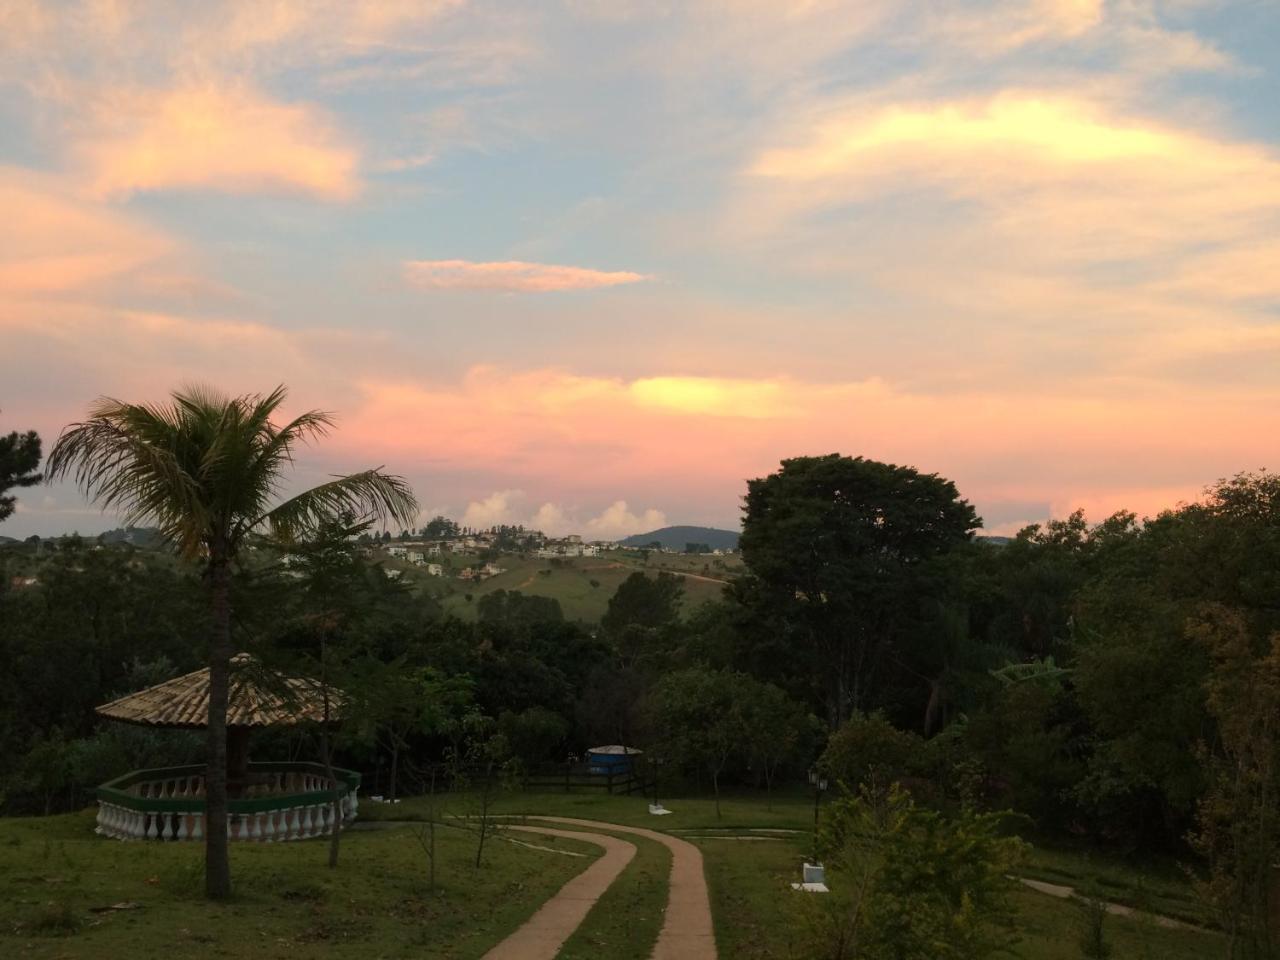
pixel 542 935
pixel 687 933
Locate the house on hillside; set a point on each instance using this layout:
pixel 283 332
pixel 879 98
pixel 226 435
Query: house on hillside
pixel 492 569
pixel 435 550
pixel 435 570
pixel 417 557
pixel 397 551
pixel 393 574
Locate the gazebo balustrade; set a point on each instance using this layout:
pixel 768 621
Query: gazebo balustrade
pixel 278 802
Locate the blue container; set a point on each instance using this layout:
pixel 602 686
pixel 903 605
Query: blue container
pixel 614 759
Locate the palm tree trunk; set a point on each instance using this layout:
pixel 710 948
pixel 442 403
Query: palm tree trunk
pixel 217 862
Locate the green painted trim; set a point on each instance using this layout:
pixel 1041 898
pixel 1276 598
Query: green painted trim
pixel 114 791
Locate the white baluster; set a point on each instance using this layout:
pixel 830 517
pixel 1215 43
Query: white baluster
pixel 182 826
pixel 306 822
pixel 269 831
pixel 152 833
pixel 355 803
pixel 295 823
pixel 197 825
pixel 256 832
pixel 167 831
pixel 244 829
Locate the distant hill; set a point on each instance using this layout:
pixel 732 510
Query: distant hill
pixel 995 541
pixel 675 538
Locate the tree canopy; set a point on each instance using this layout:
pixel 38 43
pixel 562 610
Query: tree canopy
pixel 19 458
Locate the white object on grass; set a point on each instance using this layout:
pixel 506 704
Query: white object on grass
pixel 658 810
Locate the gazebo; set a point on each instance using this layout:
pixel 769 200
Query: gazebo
pixel 267 801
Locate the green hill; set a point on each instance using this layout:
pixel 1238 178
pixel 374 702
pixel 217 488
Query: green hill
pixel 675 538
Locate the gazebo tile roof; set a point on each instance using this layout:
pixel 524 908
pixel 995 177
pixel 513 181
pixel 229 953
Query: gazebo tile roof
pixel 255 699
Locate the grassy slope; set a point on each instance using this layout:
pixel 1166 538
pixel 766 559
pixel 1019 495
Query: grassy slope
pixel 376 904
pixel 287 903
pixel 751 897
pixel 624 923
pixel 570 582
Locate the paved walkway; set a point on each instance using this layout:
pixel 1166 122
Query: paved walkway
pixel 542 935
pixel 686 932
pixel 1116 909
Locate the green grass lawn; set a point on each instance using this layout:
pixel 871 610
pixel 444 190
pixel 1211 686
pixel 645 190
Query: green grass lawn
pixel 54 870
pixel 624 923
pixel 750 880
pixel 583 585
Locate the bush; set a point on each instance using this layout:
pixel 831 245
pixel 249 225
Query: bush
pixel 909 884
pixel 869 749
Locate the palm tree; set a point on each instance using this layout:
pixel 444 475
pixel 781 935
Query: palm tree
pixel 207 470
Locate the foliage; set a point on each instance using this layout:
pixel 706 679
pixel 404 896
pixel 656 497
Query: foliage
pixel 909 884
pixel 644 601
pixel 1238 819
pixel 869 749
pixel 206 470
pixel 833 546
pixel 19 458
pixel 697 719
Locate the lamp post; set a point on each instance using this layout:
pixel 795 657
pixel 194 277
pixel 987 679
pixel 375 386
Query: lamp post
pixel 819 784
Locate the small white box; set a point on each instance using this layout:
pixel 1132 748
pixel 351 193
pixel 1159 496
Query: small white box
pixel 814 873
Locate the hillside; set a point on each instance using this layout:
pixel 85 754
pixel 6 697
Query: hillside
pixel 675 538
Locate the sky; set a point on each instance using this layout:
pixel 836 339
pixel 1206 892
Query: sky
pixel 588 265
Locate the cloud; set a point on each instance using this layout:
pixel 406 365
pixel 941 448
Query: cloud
pixel 55 241
pixel 716 396
pixel 552 520
pixel 505 507
pixel 567 438
pixel 1035 180
pixel 494 510
pixel 617 522
pixel 511 276
pixel 228 138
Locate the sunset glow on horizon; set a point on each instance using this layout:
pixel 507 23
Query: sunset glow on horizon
pixel 588 266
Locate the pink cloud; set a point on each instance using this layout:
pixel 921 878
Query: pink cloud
pixel 228 138
pixel 511 276
pixel 55 242
pixel 566 436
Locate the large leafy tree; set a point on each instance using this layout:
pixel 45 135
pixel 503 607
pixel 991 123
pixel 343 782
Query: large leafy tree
pixel 19 457
pixel 835 547
pixel 207 470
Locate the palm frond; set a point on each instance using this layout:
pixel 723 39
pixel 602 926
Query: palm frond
pixel 126 458
pixel 371 495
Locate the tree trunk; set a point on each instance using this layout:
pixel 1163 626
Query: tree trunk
pixel 326 747
pixel 715 788
pixel 395 771
pixel 217 862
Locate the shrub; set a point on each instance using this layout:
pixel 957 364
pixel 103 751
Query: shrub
pixel 867 749
pixel 910 884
